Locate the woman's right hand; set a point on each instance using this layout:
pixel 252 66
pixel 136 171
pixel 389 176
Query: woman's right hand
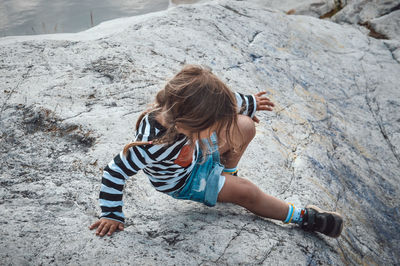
pixel 106 226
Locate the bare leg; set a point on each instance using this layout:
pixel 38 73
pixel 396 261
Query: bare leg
pixel 230 157
pixel 241 191
pixel 244 193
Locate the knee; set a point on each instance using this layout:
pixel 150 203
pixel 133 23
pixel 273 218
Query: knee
pixel 248 194
pixel 246 127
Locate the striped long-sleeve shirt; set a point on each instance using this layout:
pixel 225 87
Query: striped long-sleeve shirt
pixel 167 166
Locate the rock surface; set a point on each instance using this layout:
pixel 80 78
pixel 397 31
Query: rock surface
pixel 362 11
pixel 381 18
pixel 315 8
pixel 389 25
pixel 70 102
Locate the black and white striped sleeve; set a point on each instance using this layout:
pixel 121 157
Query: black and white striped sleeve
pixel 114 176
pixel 246 104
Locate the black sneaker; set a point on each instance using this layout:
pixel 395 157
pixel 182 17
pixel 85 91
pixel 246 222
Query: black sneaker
pixel 327 223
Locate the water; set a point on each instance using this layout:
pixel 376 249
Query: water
pixel 22 17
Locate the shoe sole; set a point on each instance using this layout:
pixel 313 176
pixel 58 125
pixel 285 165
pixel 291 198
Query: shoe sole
pixel 333 213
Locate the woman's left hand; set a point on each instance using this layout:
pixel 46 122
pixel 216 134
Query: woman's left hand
pixel 263 103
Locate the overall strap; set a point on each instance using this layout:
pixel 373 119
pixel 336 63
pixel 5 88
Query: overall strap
pixel 214 146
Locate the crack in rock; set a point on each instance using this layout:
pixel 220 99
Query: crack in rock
pixel 13 91
pixel 339 5
pixel 265 257
pixel 372 32
pixel 235 11
pixel 391 52
pixel 253 37
pixel 230 241
pixel 382 130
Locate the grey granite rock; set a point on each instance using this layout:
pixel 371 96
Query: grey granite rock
pixel 380 18
pixel 362 11
pixel 69 103
pixel 394 48
pixel 389 25
pixel 315 8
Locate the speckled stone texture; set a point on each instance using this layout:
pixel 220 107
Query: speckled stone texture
pixel 315 8
pixel 69 103
pixel 361 11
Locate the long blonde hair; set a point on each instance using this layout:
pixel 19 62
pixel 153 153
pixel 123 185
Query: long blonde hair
pixel 194 99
